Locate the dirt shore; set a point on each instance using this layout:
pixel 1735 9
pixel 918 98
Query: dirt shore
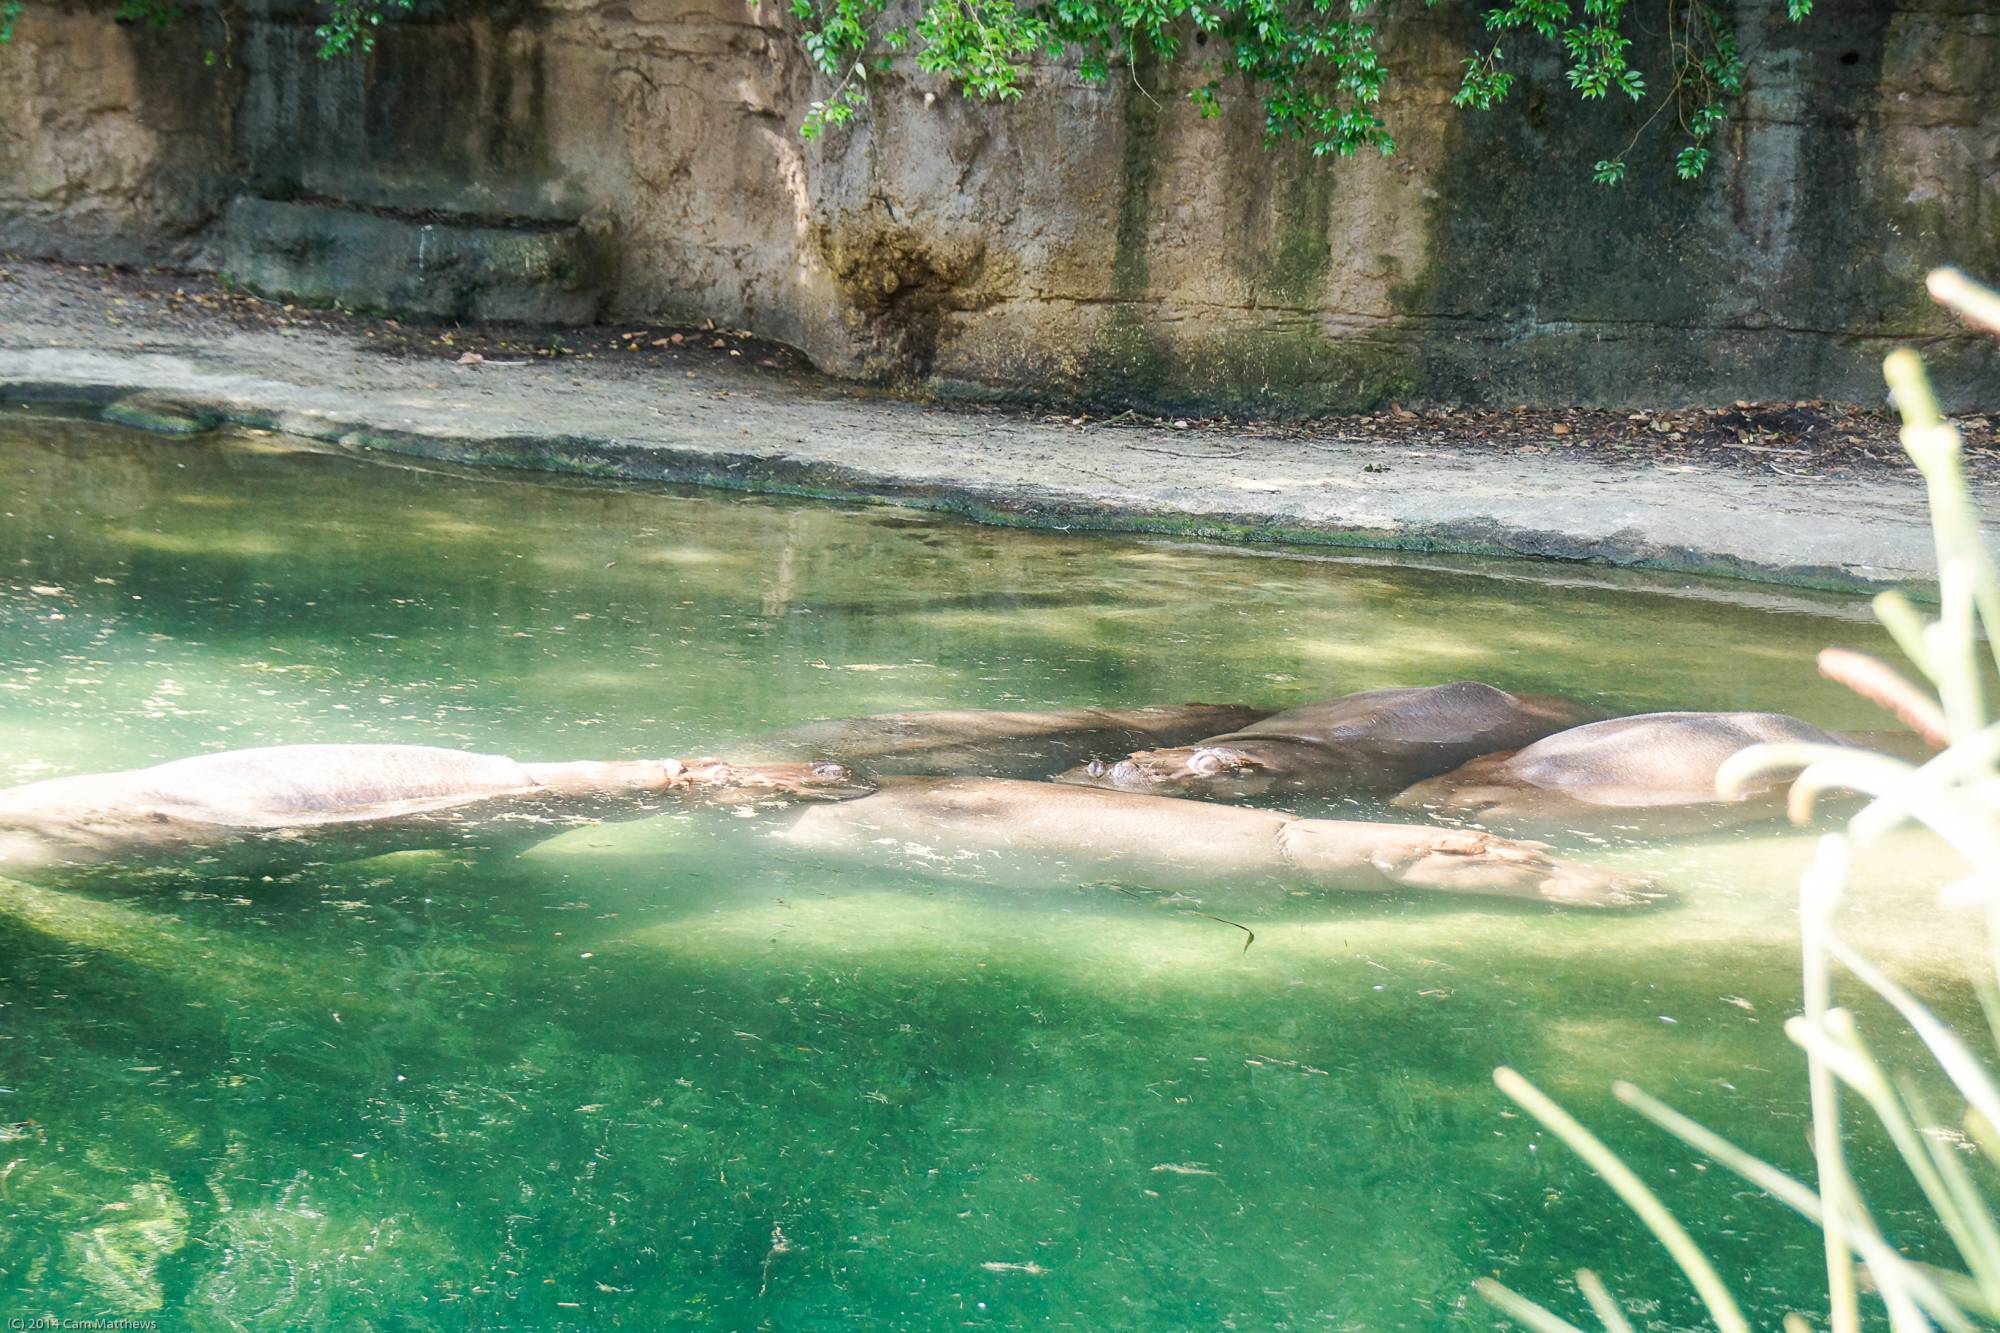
pixel 1805 493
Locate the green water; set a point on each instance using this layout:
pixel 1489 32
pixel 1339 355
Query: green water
pixel 652 1075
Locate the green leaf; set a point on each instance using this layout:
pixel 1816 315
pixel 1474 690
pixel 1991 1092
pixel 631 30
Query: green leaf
pixel 1483 86
pixel 350 24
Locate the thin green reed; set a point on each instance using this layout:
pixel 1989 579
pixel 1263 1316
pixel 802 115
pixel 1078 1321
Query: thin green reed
pixel 1956 797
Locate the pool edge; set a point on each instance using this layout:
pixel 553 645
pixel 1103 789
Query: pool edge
pixel 1027 506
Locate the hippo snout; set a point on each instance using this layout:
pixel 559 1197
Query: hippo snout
pixel 1122 775
pixel 816 780
pixel 1442 799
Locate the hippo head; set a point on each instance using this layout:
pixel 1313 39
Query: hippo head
pixel 1464 800
pixel 742 784
pixel 1478 791
pixel 1453 861
pixel 1217 772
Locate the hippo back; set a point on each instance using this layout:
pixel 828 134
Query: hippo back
pixel 1451 714
pixel 1671 755
pixel 891 735
pixel 966 741
pixel 298 784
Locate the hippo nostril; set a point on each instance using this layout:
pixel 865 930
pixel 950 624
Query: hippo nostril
pixel 1125 771
pixel 1095 768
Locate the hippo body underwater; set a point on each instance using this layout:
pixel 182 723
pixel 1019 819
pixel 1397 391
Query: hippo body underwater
pixel 1649 774
pixel 1039 834
pixel 1370 744
pixel 960 742
pixel 285 804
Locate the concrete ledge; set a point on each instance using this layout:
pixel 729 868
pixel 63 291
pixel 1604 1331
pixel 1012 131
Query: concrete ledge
pixel 441 267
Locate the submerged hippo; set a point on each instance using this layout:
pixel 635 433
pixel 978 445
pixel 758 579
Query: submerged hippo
pixel 989 743
pixel 1036 834
pixel 1375 743
pixel 340 802
pixel 1654 773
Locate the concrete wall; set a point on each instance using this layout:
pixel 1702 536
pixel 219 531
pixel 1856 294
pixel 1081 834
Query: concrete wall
pixel 1100 242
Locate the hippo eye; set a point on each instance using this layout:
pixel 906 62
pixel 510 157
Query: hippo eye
pixel 828 771
pixel 1095 768
pixel 1205 763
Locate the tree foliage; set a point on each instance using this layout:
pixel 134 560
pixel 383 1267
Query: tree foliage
pixel 1315 65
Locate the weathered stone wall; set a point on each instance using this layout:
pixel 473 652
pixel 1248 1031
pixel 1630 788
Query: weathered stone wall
pixel 111 147
pixel 1100 242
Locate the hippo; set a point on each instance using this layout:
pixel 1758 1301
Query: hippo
pixel 1649 774
pixel 282 804
pixel 957 742
pixel 1034 834
pixel 1371 744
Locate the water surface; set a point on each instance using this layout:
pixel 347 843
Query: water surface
pixel 653 1075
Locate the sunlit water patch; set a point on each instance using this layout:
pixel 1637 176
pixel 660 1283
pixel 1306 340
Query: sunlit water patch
pixel 665 1073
